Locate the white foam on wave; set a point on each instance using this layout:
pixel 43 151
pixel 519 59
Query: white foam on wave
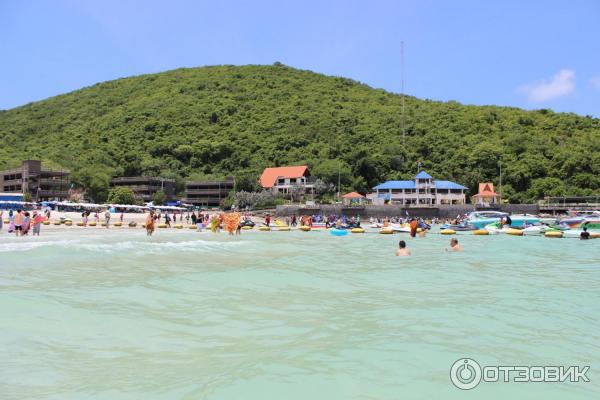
pixel 28 244
pixel 135 246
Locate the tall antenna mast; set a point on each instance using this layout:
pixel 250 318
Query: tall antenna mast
pixel 402 78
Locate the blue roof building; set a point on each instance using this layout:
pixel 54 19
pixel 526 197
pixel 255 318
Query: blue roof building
pixel 422 190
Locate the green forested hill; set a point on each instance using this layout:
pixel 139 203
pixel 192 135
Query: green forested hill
pixel 227 119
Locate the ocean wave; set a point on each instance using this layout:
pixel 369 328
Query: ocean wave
pixel 135 246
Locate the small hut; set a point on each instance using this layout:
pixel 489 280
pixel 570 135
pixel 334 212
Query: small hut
pixel 486 196
pixel 353 198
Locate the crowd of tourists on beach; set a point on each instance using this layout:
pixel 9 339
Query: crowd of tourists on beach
pixel 21 222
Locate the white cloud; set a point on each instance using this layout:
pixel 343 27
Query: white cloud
pixel 561 84
pixel 595 81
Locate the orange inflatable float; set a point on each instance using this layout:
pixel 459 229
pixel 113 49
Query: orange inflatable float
pixel 231 222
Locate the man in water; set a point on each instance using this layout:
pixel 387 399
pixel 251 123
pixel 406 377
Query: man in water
pixel 402 250
pixel 18 222
pixel 150 224
pixel 585 235
pixel 454 246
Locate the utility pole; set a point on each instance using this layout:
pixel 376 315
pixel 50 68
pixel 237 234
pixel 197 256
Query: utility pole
pixel 339 179
pixel 500 164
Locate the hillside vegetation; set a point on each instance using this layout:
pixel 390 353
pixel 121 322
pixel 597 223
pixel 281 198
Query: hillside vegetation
pixel 214 121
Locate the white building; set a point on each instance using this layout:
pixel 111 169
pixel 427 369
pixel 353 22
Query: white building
pixel 422 190
pixel 281 179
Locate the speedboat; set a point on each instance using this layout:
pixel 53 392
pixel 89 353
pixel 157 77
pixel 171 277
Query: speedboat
pixel 480 219
pixel 576 220
pixel 459 227
pixel 400 228
pixel 536 230
pixel 592 222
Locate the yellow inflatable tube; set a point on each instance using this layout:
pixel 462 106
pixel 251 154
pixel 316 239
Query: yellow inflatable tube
pixel 515 232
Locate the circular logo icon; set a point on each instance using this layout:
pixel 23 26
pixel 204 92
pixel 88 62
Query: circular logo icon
pixel 465 373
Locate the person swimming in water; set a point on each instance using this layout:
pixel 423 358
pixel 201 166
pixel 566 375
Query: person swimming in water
pixel 585 235
pixel 402 250
pixel 454 246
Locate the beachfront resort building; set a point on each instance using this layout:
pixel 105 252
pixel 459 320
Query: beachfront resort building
pixel 144 187
pixel 423 190
pixel 283 179
pixel 208 193
pixel 42 184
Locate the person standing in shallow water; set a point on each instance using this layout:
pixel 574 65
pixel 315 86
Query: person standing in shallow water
pixel 150 223
pixel 36 223
pixel 402 250
pixel 414 224
pixel 18 222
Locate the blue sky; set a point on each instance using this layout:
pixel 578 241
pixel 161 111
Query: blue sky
pixel 531 54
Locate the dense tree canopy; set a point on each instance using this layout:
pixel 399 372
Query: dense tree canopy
pixel 121 195
pixel 216 121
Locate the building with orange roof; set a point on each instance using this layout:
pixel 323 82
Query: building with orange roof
pixel 486 195
pixel 281 179
pixel 353 198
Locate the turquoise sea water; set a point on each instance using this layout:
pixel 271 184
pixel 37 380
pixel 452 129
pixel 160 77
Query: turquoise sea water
pixel 290 315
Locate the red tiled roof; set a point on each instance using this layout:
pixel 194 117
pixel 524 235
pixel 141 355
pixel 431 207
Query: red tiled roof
pixel 353 195
pixel 270 175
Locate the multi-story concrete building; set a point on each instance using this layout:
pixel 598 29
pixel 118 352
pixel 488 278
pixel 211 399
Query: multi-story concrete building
pixel 282 179
pixel 422 190
pixel 144 187
pixel 208 193
pixel 42 184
